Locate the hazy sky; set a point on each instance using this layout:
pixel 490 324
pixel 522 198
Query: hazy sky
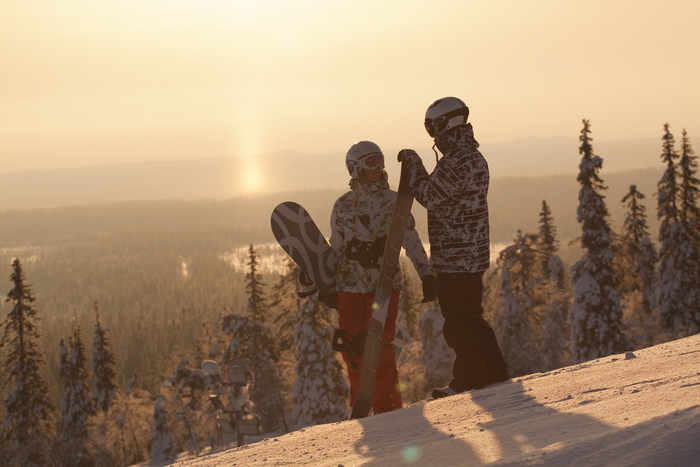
pixel 85 82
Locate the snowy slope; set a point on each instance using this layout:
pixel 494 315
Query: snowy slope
pixel 638 408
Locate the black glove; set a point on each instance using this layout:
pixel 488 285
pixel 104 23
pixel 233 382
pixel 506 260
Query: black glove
pixel 429 288
pixel 330 299
pixel 406 152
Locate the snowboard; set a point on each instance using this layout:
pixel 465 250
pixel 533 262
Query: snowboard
pixel 390 263
pixel 300 238
pixel 298 235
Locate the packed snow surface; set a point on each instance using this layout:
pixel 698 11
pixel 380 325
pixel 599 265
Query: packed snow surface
pixel 636 408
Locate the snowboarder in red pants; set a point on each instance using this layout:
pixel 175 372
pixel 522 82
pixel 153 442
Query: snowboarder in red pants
pixel 359 223
pixel 458 229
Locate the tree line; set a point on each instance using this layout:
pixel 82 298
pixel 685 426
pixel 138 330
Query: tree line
pixel 620 294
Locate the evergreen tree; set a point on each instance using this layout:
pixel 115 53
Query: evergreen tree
pixel 182 414
pixel 518 263
pixel 410 307
pixel 76 406
pixel 638 260
pixel 320 391
pixel 547 236
pixel 596 316
pixel 209 344
pixel 122 435
pixel 689 189
pixel 285 303
pixel 254 285
pixel 669 292
pixel 426 361
pixel 412 373
pixel 552 334
pixel 634 228
pixel 285 306
pixel 29 426
pixel 436 356
pixel 690 218
pixel 646 269
pixel 255 344
pixel 163 448
pixel 678 256
pixel 102 366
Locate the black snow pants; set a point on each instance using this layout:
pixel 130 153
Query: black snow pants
pixel 478 361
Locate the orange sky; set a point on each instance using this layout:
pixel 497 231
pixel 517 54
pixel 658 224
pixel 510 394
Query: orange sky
pixel 91 81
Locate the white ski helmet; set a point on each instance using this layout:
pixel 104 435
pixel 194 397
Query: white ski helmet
pixel 445 114
pixel 363 155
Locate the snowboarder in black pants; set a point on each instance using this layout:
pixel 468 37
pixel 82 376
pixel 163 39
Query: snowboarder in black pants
pixel 455 195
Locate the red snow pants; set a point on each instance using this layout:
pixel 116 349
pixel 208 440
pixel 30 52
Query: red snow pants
pixel 354 314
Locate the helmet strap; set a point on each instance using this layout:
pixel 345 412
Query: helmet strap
pixel 436 153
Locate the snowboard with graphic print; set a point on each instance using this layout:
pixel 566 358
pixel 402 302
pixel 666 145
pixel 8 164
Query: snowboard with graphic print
pixel 380 307
pixel 298 235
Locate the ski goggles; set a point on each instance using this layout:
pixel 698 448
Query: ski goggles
pixel 436 126
pixel 371 161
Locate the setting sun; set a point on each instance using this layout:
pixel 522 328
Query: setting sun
pixel 251 177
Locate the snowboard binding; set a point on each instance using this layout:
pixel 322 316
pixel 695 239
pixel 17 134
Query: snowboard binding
pixel 351 346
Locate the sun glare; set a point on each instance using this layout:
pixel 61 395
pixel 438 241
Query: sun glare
pixel 250 178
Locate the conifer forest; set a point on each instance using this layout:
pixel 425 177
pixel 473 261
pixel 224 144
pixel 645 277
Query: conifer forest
pixel 143 330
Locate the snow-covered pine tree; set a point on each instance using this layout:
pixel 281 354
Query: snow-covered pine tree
pixel 163 448
pixel 284 301
pixel 646 268
pixel 596 315
pixel 690 219
pixel 410 306
pixel 639 258
pixel 122 434
pixel 547 236
pixel 412 373
pixel 437 357
pixel 29 427
pixel 678 261
pixel 689 188
pixel 182 414
pixel 256 345
pixel 555 329
pixel 320 391
pixel 669 291
pixel 518 265
pixel 102 366
pixel 254 285
pixel 209 344
pixel 254 342
pixel 72 441
pixel 634 229
pixel 132 414
pixel 284 304
pixel 552 335
pixel 413 380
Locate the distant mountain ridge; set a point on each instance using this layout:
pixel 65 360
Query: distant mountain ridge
pixel 221 178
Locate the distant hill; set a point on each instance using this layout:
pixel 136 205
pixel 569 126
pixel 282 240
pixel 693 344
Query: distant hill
pixel 548 156
pixel 220 178
pixel 514 202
